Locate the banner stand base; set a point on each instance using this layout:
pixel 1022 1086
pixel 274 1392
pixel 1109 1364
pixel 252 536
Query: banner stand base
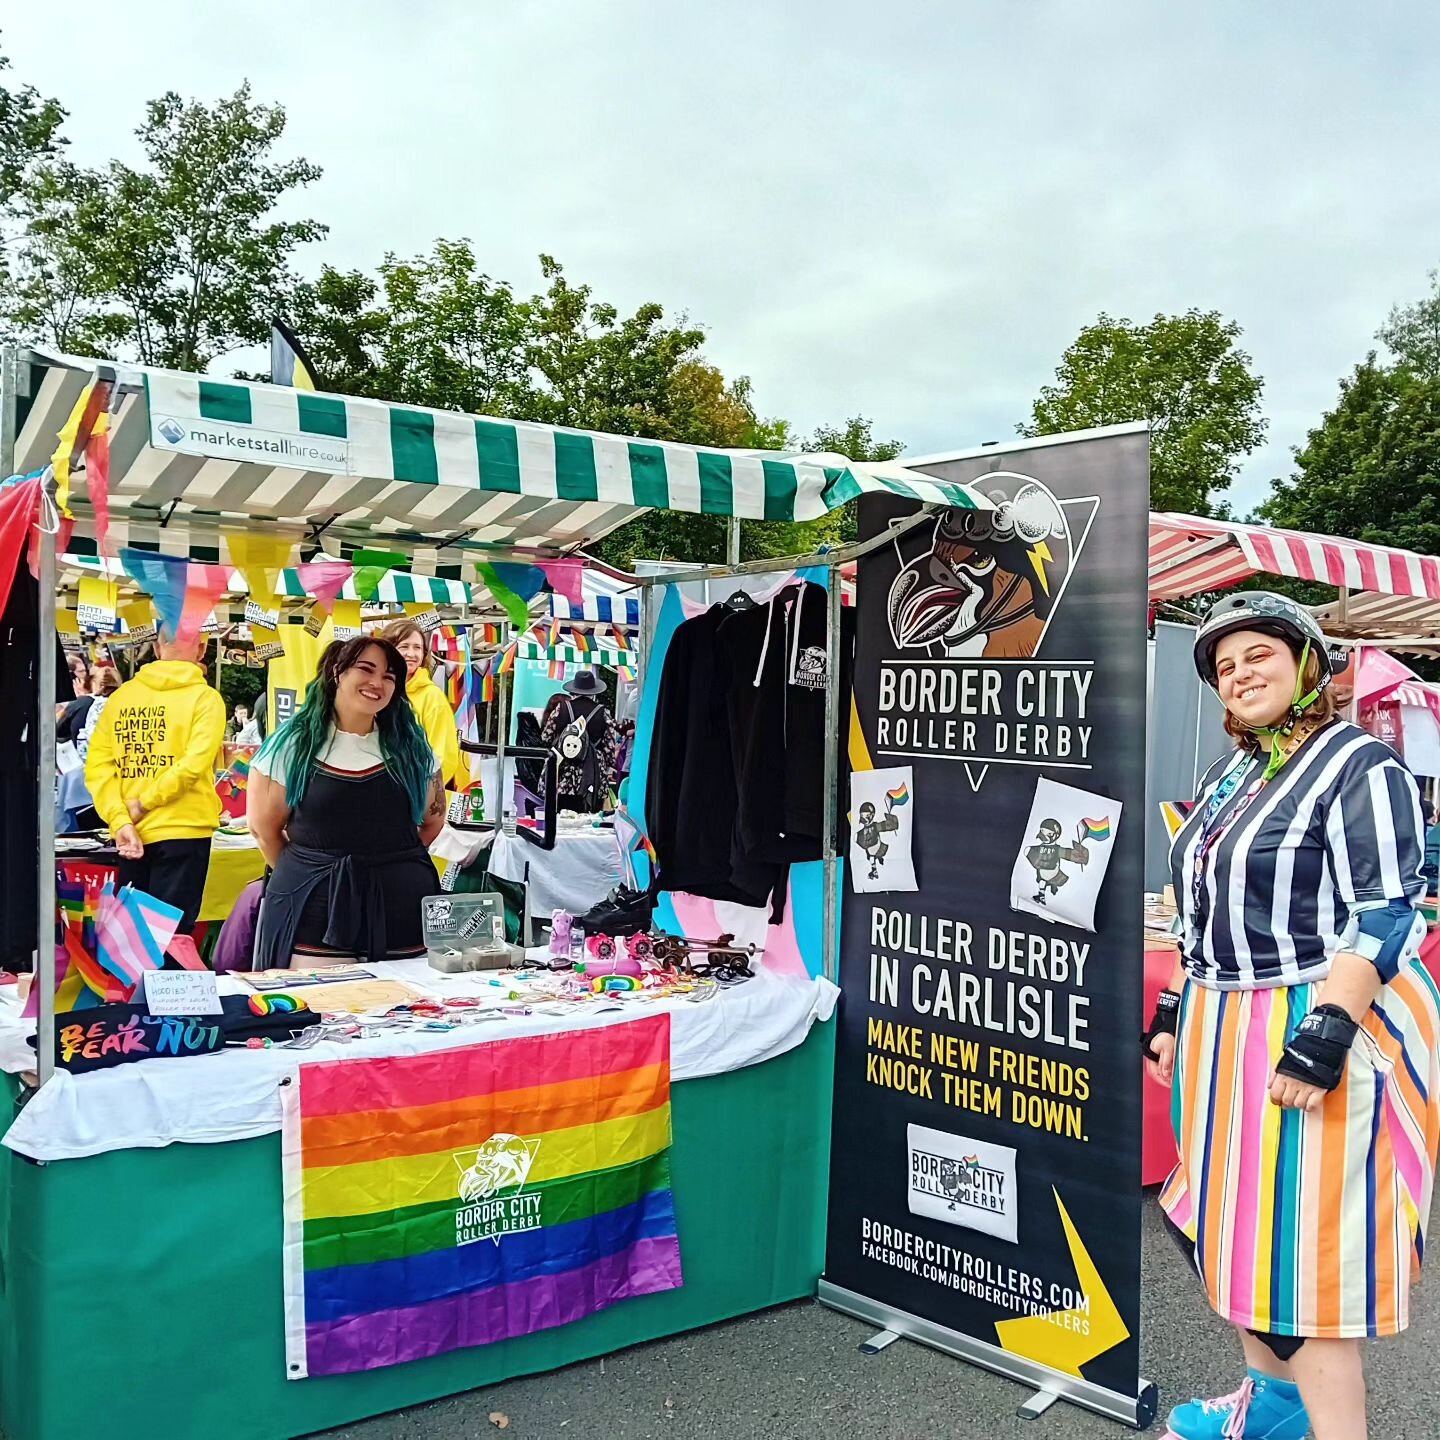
pixel 1137 1411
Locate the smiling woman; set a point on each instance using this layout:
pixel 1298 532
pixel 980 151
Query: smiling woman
pixel 1299 1032
pixel 343 800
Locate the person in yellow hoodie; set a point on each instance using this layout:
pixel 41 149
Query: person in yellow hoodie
pixel 151 775
pixel 426 698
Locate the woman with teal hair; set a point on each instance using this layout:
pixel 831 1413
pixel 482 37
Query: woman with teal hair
pixel 343 801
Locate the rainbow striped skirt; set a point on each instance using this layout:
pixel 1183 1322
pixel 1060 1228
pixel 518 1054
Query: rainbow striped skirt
pixel 1306 1224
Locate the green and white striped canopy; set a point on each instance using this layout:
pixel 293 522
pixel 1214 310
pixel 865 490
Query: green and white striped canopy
pixel 528 649
pixel 190 455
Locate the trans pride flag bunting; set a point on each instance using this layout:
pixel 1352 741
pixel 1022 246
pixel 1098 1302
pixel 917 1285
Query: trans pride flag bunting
pixel 519 1185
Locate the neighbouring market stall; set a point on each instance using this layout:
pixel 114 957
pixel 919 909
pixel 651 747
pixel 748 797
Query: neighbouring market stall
pixel 142 1226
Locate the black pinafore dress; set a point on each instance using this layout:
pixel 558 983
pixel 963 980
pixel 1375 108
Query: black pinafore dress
pixel 350 881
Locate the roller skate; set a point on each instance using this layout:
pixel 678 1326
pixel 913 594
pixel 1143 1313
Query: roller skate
pixel 1263 1408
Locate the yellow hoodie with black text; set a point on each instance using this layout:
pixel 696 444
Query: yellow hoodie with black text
pixel 160 741
pixel 437 720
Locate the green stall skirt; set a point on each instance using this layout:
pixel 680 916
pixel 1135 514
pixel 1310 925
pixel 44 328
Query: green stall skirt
pixel 140 1291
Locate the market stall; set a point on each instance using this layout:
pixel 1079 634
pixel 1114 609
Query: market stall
pixel 185 459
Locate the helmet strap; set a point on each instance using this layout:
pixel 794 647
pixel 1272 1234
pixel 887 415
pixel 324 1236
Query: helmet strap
pixel 1280 735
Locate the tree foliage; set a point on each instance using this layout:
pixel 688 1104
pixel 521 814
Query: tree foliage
pixel 1184 374
pixel 173 263
pixel 184 258
pixel 29 135
pixel 1412 332
pixel 1371 469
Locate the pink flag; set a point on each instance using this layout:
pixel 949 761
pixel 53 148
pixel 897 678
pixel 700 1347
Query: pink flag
pixel 324 579
pixel 565 578
pixel 204 585
pixel 182 950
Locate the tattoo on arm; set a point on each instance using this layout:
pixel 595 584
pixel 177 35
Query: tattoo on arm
pixel 437 797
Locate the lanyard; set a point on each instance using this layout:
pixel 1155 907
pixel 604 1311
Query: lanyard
pixel 1212 828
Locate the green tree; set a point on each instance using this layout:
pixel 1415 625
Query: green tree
pixel 1412 332
pixel 174 263
pixel 1371 469
pixel 29 135
pixel 1184 374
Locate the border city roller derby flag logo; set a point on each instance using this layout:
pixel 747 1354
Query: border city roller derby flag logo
pixel 989 581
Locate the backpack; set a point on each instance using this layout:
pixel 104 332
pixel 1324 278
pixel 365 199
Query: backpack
pixel 574 747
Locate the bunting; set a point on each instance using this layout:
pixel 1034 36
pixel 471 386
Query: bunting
pixel 184 592
pixel 513 587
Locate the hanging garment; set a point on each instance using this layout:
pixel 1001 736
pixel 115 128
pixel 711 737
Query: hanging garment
pixel 19 759
pixel 690 798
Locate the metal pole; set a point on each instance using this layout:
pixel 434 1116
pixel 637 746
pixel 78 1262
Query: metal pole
pixel 781 564
pixel 502 727
pixel 642 657
pixel 732 541
pixel 831 930
pixel 45 792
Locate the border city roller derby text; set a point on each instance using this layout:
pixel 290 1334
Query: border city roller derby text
pixel 985 712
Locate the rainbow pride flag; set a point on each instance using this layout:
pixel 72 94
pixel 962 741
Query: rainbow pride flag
pixel 1095 829
pixel 439 1201
pixel 900 795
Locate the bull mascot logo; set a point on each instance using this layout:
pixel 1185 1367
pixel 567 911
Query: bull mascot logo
pixel 502 1163
pixel 986 585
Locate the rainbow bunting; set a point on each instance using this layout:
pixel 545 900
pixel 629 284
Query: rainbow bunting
pixel 521 1185
pixel 1095 829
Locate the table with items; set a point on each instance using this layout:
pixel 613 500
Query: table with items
pixel 188 1159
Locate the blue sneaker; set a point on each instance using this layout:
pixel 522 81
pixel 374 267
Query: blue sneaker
pixel 1263 1408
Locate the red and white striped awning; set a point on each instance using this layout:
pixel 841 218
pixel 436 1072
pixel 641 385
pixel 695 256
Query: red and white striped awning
pixel 1189 554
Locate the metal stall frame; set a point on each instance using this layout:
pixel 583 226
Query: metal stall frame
pixel 830 560
pixel 822 482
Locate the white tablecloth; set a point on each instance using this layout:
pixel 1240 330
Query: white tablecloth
pixel 235 1093
pixel 582 869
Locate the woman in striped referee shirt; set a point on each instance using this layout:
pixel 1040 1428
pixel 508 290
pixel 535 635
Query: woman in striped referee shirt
pixel 1299 1034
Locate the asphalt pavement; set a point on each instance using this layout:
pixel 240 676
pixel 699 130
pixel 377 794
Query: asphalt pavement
pixel 795 1372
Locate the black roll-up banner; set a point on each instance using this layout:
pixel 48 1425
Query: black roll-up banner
pixel 985 1167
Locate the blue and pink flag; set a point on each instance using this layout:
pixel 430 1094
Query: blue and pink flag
pixel 184 592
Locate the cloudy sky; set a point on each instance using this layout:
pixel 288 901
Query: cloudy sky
pixel 904 209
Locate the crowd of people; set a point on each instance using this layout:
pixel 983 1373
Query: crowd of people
pixel 343 799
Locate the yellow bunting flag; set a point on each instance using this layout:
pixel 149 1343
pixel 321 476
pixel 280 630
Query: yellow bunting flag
pixel 96 604
pixel 260 558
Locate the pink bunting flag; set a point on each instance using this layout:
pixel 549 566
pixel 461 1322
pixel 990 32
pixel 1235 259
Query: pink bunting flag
pixel 324 579
pixel 182 950
pixel 565 577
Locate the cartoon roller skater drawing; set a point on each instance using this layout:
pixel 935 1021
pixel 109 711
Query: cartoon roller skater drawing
pixel 882 830
pixel 1048 857
pixel 1063 854
pixel 870 836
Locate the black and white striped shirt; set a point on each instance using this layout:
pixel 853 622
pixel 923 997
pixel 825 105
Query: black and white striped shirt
pixel 1337 831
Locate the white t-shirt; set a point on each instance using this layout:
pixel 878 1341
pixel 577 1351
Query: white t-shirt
pixel 345 751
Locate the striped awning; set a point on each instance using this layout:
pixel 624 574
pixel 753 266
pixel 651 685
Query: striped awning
pixel 1407 624
pixel 602 609
pixel 1189 555
pixel 527 649
pixel 191 455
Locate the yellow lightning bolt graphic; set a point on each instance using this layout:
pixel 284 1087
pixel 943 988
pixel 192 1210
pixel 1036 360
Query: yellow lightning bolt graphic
pixel 1067 1339
pixel 1040 556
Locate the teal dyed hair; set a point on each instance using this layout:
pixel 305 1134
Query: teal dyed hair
pixel 301 739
